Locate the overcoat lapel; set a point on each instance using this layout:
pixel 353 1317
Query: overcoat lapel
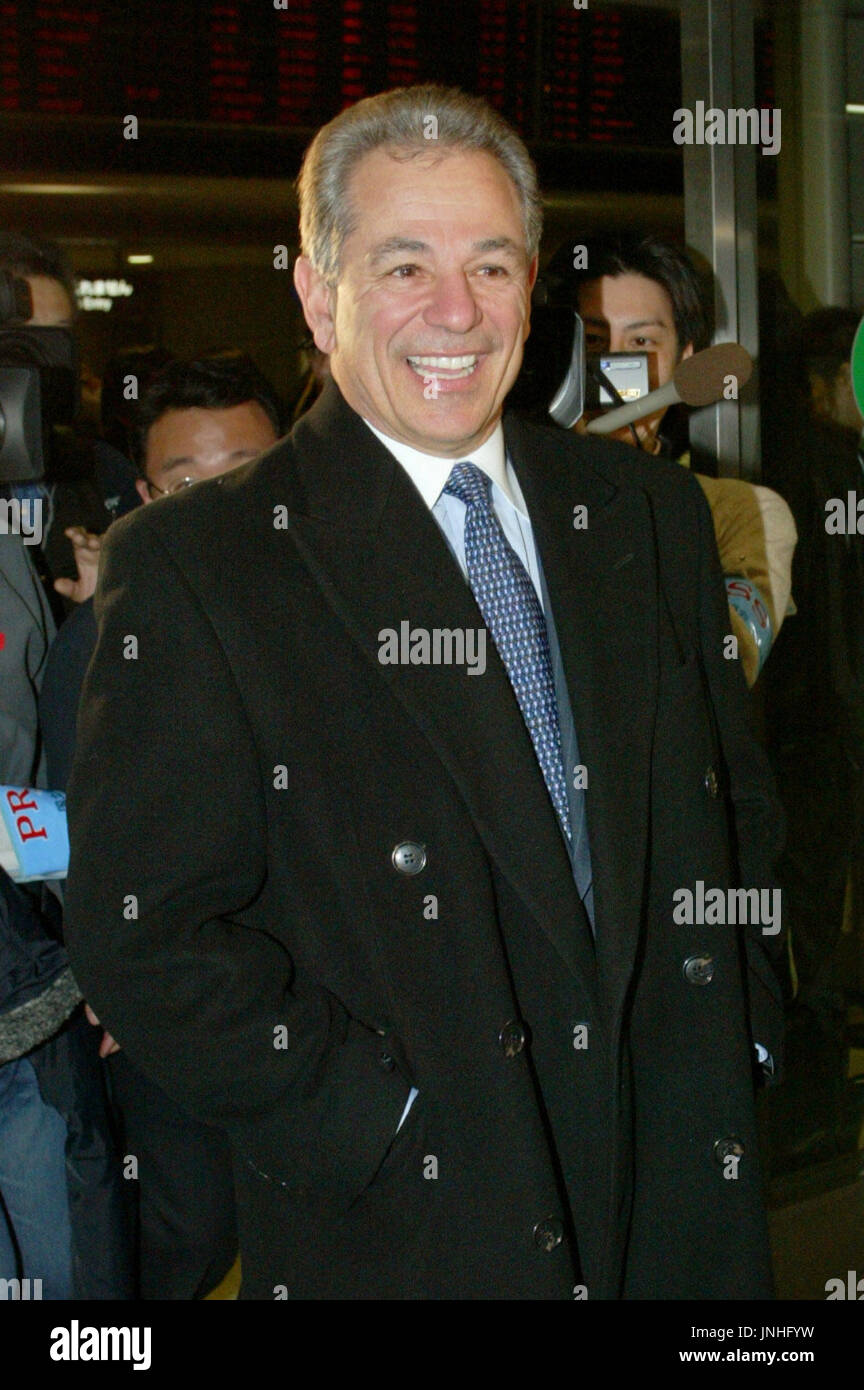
pixel 603 588
pixel 379 556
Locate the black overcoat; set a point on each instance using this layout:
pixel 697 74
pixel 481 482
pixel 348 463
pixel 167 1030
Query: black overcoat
pixel 245 769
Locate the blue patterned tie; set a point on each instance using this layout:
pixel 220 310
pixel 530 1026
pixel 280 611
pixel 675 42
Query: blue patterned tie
pixel 512 613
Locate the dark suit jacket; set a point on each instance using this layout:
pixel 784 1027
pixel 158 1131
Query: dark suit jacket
pixel 245 769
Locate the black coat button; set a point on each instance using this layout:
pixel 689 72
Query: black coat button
pixel 698 970
pixel 409 858
pixel 386 1062
pixel 728 1148
pixel 512 1038
pixel 712 786
pixel 548 1233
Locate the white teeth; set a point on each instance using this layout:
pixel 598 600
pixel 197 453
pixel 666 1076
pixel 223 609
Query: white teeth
pixel 444 368
pixel 453 364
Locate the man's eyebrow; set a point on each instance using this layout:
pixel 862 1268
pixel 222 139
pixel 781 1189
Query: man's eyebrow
pixel 649 323
pixel 188 459
pixel 499 243
pixel 597 321
pixel 176 463
pixel 394 244
pixel 646 323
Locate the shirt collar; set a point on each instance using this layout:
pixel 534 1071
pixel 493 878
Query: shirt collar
pixel 429 474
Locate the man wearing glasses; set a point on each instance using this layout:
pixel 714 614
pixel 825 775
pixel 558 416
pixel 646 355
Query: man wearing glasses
pixel 199 419
pixel 195 421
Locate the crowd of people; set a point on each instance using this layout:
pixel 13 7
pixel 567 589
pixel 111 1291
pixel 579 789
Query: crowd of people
pixel 116 1184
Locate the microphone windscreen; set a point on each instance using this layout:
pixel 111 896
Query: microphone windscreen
pixel 701 379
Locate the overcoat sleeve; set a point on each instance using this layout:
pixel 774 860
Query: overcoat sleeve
pixel 169 853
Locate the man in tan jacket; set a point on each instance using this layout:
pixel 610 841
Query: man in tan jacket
pixel 643 295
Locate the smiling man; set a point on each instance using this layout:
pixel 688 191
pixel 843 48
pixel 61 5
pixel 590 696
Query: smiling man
pixel 426 329
pixel 408 937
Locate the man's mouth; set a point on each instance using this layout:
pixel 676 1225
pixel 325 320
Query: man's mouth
pixel 445 368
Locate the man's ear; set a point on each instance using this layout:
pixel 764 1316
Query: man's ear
pixel 317 300
pixel 688 352
pixel 142 490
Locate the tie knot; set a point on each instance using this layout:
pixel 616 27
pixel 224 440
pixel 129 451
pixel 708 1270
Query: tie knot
pixel 469 483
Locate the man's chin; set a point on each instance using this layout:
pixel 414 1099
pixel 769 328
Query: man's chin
pixel 442 426
pixel 447 424
pixel 447 437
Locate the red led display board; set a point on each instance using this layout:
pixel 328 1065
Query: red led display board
pixel 603 75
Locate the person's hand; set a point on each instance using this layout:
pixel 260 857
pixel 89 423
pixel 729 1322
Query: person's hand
pixel 86 547
pixel 107 1045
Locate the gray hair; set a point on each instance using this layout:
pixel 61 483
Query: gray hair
pixel 402 120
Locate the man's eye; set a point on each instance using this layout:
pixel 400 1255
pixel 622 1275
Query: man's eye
pixel 493 270
pixel 404 272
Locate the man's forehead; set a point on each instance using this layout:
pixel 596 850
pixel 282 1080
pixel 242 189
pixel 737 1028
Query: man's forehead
pixel 630 298
pixel 181 433
pixel 602 319
pixel 397 196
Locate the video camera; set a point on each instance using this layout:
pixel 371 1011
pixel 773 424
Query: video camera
pixel 558 378
pixel 38 384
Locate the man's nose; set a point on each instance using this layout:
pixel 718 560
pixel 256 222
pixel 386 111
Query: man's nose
pixel 452 304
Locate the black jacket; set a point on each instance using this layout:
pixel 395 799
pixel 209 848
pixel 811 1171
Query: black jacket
pixel 245 769
pixel 816 677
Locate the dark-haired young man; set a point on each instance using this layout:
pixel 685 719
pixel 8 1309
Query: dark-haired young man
pixel 196 420
pixel 199 419
pixel 643 294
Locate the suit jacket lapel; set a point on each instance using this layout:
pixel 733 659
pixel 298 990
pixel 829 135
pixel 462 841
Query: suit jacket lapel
pixel 380 558
pixel 602 584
